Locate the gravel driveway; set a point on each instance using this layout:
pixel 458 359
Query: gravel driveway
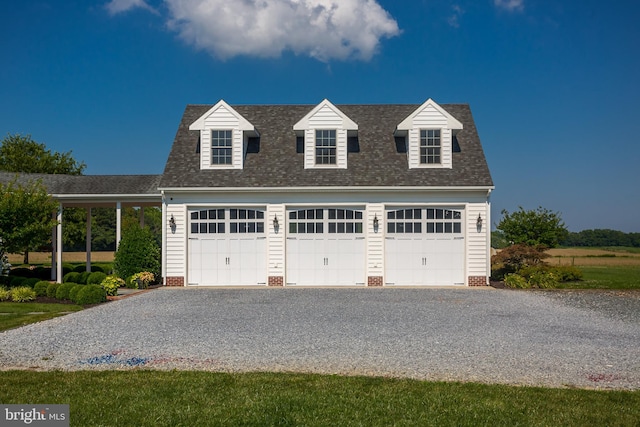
pixel 557 338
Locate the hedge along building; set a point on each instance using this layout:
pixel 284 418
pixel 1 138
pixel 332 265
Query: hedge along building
pixel 326 195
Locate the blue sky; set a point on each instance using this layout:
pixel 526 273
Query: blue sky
pixel 554 86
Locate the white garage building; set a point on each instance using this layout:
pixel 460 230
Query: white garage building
pixel 326 195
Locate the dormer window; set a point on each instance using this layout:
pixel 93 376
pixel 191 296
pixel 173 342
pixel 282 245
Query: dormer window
pixel 430 147
pixel 428 135
pixel 325 147
pixel 324 136
pixel 225 137
pixel 221 147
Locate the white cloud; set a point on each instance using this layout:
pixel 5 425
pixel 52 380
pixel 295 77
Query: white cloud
pixel 322 29
pixel 510 5
pixel 454 18
pixel 118 6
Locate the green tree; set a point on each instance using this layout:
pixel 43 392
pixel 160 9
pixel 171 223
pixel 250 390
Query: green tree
pixel 22 154
pixel 26 217
pixel 533 227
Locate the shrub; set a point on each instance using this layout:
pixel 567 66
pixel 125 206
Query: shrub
pixel 22 294
pixel 42 273
pixel 22 272
pixel 514 258
pixel 567 273
pixel 542 279
pixel 73 292
pixel 5 294
pixel 96 278
pixel 97 269
pixel 138 251
pixel 79 268
pixel 41 288
pixel 66 268
pixel 513 280
pixel 72 277
pixel 130 283
pixel 31 282
pixel 64 289
pixel 83 277
pixel 111 284
pixel 17 281
pixel 51 289
pixel 142 279
pixel 5 280
pixel 91 294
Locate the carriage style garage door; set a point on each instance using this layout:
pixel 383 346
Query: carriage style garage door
pixel 227 247
pixel 325 247
pixel 424 246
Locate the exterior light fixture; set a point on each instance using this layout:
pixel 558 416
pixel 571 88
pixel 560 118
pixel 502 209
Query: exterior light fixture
pixel 172 222
pixel 479 222
pixel 276 224
pixel 376 223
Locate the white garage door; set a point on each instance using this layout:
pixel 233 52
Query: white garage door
pixel 424 246
pixel 227 247
pixel 325 247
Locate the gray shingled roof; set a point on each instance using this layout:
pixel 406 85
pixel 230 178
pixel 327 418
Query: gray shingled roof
pixel 277 164
pixel 91 184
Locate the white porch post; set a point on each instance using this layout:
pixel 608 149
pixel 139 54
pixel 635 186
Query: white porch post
pixel 88 240
pixel 59 246
pixel 118 223
pixel 54 247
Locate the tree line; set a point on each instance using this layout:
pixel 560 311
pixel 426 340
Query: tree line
pixel 602 237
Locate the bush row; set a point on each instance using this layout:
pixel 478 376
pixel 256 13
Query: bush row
pixel 542 276
pixel 44 273
pixel 79 294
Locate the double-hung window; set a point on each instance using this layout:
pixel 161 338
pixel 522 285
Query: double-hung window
pixel 221 147
pixel 430 146
pixel 325 147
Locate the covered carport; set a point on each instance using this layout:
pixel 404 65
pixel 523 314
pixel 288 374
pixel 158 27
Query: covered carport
pixel 92 191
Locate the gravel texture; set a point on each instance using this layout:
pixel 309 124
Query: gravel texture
pixel 555 338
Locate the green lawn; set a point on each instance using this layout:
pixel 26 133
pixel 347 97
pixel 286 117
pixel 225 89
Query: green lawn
pixel 154 398
pixel 15 314
pixel 606 277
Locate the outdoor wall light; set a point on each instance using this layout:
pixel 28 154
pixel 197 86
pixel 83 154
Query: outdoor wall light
pixel 172 222
pixel 479 222
pixel 376 223
pixel 276 224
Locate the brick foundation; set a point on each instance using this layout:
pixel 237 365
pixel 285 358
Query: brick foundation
pixel 276 281
pixel 374 281
pixel 174 281
pixel 477 281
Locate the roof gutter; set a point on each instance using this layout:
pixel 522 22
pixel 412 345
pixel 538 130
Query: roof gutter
pixel 325 189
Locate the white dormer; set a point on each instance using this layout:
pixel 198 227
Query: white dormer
pixel 224 136
pixel 325 130
pixel 429 133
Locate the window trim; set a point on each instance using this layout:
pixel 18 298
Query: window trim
pixel 221 152
pixel 329 152
pixel 429 158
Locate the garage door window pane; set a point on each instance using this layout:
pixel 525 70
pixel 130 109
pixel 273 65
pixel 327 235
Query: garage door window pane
pixel 233 213
pixel 212 228
pixel 457 227
pixel 319 228
pixel 203 214
pixel 203 227
pixel 212 214
pixel 391 227
pixel 194 227
pixel 194 215
pixel 233 227
pixel 358 227
pixel 260 227
pixel 221 228
pixel 293 227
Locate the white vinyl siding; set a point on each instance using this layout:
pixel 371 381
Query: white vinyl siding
pixel 375 240
pixel 175 263
pixel 478 240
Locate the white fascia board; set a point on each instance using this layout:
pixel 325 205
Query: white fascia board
pixel 452 122
pixel 245 125
pixel 347 123
pixel 488 189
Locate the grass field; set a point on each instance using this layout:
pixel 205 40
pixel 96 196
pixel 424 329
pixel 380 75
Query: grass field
pixel 44 258
pixel 154 398
pixel 16 314
pixel 594 256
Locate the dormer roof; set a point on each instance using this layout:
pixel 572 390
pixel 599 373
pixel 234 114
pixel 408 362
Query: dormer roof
pixel 325 110
pixel 410 121
pixel 211 119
